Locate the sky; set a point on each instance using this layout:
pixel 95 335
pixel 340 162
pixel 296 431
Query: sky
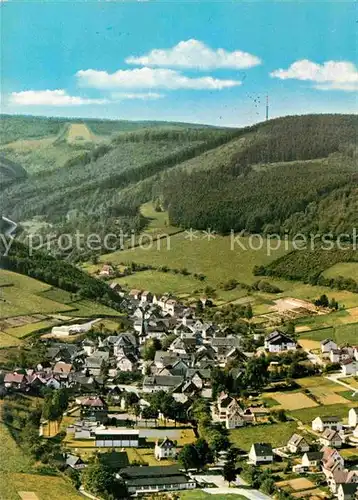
pixel 201 62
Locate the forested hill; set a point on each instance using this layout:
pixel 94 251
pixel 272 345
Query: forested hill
pixel 291 174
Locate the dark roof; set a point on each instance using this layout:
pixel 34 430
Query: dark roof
pixel 163 380
pixel 262 449
pixel 155 471
pixel 349 488
pixel 314 455
pixel 330 419
pixel 114 459
pixel 160 481
pixel 277 337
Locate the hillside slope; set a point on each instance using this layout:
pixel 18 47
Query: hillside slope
pixel 10 171
pixel 290 174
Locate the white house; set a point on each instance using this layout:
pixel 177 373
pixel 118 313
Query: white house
pixel 279 342
pixel 327 346
pixel 127 363
pixel 320 424
pixel 349 367
pixel 347 491
pixel 261 453
pixel 297 444
pixel 331 438
pixel 234 419
pixel 353 417
pixel 166 449
pixel 312 459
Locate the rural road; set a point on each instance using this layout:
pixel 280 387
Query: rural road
pixel 222 487
pixel 337 379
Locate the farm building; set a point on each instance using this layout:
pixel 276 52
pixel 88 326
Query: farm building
pixel 151 479
pixel 117 438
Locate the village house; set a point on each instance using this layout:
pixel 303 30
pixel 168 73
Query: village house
pixel 340 355
pixel 312 459
pixel 353 418
pixel 261 453
pixel 349 367
pixel 161 383
pixel 74 462
pixel 15 381
pixel 234 418
pixel 62 369
pixel 320 424
pixel 327 346
pixel 331 438
pixel 94 409
pixel 96 361
pixel 107 270
pixel 347 491
pixel 135 294
pixel 146 297
pixel 127 363
pixel 297 444
pixel 165 449
pixel 279 342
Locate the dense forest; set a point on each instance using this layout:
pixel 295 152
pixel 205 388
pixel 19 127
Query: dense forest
pixel 14 127
pixel 287 175
pixel 282 181
pixel 85 194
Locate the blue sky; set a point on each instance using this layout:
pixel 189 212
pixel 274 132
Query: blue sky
pixel 162 60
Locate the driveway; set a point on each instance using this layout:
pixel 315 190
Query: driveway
pixel 314 358
pixel 241 487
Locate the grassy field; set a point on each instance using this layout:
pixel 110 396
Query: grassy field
pixel 18 472
pixel 58 295
pixel 341 334
pixel 24 330
pixel 306 415
pixel 40 154
pixel 18 301
pixel 220 259
pixel 45 487
pixel 7 340
pixel 86 308
pixel 21 281
pixel 345 269
pixel 78 133
pixel 200 256
pixel 276 434
pixel 158 222
pixel 327 392
pixel 158 282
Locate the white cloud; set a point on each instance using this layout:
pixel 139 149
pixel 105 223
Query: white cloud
pixel 148 96
pixel 195 54
pixel 50 98
pixel 331 75
pixel 148 78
